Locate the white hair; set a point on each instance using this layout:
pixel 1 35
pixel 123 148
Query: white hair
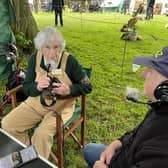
pixel 48 35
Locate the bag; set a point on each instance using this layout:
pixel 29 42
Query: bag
pixel 15 79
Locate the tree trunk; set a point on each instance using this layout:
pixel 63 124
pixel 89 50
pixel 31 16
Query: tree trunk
pixel 25 21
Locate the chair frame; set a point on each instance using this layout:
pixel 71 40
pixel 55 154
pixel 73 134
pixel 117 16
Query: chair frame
pixel 10 96
pixel 68 131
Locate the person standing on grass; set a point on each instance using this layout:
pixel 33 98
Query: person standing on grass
pixel 149 9
pixel 58 6
pixel 126 6
pixel 146 146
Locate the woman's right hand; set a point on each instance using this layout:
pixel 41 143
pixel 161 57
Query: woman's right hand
pixel 43 82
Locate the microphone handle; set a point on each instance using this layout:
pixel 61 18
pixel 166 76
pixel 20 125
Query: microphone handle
pixel 135 100
pixel 48 68
pixel 140 102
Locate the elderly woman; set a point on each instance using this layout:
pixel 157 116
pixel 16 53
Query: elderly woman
pixel 73 82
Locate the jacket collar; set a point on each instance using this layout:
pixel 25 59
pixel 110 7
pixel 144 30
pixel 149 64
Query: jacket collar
pixel 160 108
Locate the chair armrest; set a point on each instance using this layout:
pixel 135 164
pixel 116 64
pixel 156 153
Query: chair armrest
pixel 14 90
pixel 12 93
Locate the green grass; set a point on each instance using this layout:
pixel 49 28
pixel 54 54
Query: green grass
pixel 94 38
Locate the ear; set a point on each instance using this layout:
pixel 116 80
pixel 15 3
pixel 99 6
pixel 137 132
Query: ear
pixel 161 91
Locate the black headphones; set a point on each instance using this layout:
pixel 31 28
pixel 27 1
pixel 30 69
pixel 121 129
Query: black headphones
pixel 161 91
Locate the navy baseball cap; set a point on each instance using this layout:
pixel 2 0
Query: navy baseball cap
pixel 159 62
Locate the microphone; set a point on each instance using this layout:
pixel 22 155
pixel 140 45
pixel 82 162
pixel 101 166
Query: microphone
pixel 134 95
pixel 48 67
pixel 137 101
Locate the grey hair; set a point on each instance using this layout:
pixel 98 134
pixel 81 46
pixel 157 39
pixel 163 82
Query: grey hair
pixel 49 34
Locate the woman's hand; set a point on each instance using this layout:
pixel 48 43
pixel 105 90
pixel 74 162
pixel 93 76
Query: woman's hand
pixel 61 89
pixel 43 82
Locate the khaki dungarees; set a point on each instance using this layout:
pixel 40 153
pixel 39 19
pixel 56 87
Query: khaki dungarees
pixel 29 112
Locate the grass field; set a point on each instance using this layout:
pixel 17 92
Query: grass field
pixel 94 38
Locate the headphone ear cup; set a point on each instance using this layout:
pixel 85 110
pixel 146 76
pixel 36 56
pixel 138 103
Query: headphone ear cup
pixel 161 91
pixel 158 93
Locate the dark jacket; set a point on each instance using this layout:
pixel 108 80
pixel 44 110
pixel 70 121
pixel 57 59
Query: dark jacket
pixel 147 145
pixel 151 3
pixel 57 5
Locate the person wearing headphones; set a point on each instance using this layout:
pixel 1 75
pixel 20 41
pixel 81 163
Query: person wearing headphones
pixel 146 146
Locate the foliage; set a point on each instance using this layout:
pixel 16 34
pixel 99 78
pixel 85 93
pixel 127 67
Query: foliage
pixel 22 41
pixel 94 38
pixel 25 47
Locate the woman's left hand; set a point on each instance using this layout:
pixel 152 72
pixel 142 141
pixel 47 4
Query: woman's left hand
pixel 61 89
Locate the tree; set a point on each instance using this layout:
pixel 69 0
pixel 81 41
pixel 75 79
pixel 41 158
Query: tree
pixel 25 21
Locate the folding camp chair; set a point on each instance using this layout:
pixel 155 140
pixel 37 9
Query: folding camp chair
pixel 64 130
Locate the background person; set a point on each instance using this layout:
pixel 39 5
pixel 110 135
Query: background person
pixel 126 6
pixel 149 9
pixel 57 6
pixel 145 146
pixel 74 82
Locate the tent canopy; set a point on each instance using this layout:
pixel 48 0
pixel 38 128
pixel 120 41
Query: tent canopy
pixel 112 5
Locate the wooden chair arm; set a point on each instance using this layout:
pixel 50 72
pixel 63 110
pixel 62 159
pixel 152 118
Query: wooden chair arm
pixel 12 94
pixel 14 90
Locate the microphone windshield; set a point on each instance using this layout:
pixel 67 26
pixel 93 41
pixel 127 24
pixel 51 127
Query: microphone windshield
pixel 133 94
